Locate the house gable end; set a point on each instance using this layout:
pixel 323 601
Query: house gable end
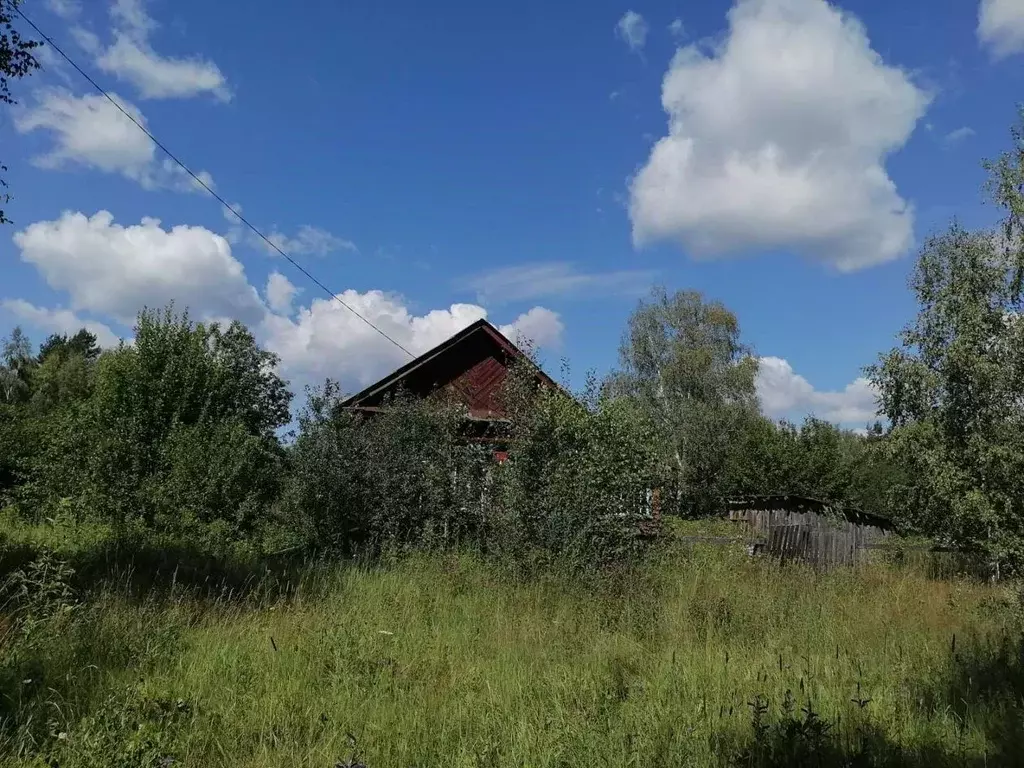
pixel 472 366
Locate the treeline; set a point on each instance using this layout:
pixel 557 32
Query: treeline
pixel 180 437
pixel 186 433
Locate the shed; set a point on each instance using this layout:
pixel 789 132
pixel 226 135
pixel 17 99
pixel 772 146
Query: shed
pixel 810 530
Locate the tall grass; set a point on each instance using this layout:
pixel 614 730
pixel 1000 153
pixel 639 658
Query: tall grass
pixel 704 657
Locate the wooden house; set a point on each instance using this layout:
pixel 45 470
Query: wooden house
pixel 809 530
pixel 472 367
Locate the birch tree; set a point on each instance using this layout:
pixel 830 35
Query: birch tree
pixel 953 390
pixel 682 358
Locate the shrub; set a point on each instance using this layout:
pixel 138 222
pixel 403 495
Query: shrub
pixel 177 435
pixel 580 475
pixel 397 478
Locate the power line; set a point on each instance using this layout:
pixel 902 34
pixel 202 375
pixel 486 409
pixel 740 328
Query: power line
pixel 198 180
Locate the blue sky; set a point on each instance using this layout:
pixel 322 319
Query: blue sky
pixel 539 163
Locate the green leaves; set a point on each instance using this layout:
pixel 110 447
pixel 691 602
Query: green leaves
pixel 954 390
pixel 683 363
pixel 176 432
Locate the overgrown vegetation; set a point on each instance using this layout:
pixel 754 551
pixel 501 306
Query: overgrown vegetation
pixel 701 657
pixel 380 589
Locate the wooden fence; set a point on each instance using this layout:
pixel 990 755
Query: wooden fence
pixel 817 545
pixel 794 528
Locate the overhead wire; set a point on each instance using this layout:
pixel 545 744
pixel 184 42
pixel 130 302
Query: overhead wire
pixel 204 185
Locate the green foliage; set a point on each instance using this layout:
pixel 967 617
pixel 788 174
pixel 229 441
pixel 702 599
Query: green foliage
pixel 16 369
pixel 175 433
pixel 39 395
pixel 448 659
pixel 579 475
pixel 953 391
pixel 683 361
pixel 63 370
pixel 400 477
pixel 128 730
pixel 574 483
pixel 16 61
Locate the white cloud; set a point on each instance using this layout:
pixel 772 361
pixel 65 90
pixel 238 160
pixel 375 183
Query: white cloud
pixel 158 77
pixel 958 135
pixel 66 9
pixel 778 138
pixel 633 30
pixel 130 17
pixel 87 40
pixel 307 241
pixel 50 61
pixel 539 328
pixel 92 132
pixel 1001 26
pixel 676 28
pixel 59 321
pixel 785 393
pixel 326 339
pixel 89 130
pixel 280 293
pixel 109 269
pixel 530 281
pixel 236 228
pixel 132 59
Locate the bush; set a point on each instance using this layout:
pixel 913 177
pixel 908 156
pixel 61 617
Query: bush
pixel 177 434
pixel 397 478
pixel 576 480
pixel 580 476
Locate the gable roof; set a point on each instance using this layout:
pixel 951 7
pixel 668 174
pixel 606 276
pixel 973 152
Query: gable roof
pixel 444 356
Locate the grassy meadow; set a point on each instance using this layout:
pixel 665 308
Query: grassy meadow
pixel 702 656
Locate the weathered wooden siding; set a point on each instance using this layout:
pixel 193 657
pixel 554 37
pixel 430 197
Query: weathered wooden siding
pixel 479 387
pixel 818 538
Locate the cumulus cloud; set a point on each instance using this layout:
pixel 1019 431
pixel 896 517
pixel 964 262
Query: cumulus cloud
pixel 131 58
pixel 114 270
pixel 777 139
pixel 539 328
pixel 676 28
pixel 91 132
pixel 531 281
pixel 280 293
pixel 59 321
pixel 1001 26
pixel 326 339
pixel 632 28
pixel 110 271
pixel 785 393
